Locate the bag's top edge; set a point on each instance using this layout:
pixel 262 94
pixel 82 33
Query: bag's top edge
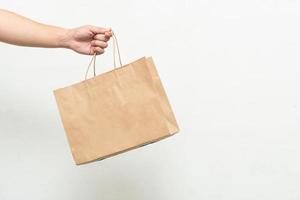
pixel 107 72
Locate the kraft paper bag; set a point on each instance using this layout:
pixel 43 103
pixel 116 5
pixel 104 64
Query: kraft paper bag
pixel 115 111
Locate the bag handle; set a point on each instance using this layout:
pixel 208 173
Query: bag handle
pixel 93 60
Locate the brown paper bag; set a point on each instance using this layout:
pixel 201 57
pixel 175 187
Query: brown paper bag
pixel 116 111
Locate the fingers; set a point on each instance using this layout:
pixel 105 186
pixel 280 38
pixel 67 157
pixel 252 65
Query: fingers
pixel 97 50
pixel 98 46
pixel 98 43
pixel 101 37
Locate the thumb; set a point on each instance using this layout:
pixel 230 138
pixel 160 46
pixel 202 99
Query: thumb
pixel 99 30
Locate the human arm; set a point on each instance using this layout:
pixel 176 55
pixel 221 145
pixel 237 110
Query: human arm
pixel 18 30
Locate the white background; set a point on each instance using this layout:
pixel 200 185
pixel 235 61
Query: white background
pixel 231 70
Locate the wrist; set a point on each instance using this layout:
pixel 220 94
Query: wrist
pixel 64 38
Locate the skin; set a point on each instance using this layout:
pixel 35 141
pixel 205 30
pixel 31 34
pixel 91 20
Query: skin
pixel 19 30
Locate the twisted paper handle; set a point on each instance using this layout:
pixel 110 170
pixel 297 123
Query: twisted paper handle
pixel 93 60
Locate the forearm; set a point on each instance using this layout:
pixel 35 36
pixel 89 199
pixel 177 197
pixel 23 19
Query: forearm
pixel 18 30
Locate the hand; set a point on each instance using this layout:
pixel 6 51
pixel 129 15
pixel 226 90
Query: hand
pixel 88 39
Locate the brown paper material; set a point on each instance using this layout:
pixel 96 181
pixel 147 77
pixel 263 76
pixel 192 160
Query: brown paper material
pixel 116 111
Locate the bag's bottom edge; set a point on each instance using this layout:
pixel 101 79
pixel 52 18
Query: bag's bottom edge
pixel 128 149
